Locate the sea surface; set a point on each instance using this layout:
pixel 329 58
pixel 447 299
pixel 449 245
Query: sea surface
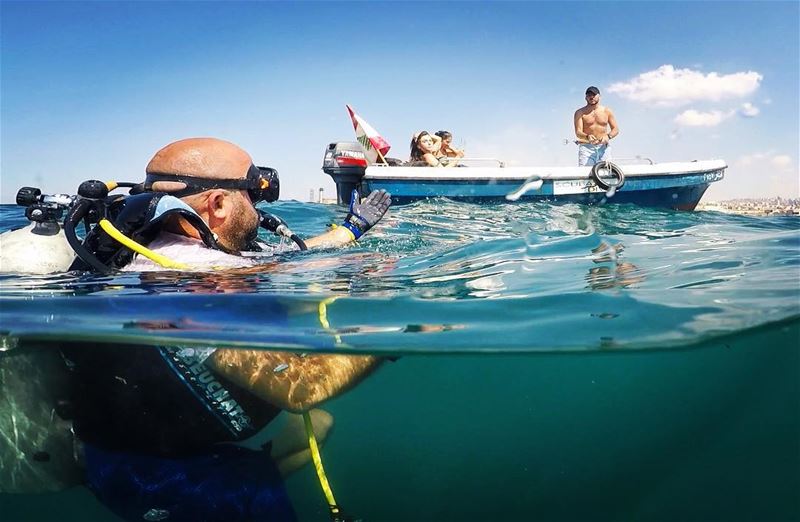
pixel 556 362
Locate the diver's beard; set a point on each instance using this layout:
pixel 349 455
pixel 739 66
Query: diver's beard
pixel 240 233
pixel 241 240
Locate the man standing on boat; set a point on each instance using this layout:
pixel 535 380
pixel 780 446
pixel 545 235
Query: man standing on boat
pixel 595 127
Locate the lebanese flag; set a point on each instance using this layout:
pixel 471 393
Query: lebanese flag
pixel 373 143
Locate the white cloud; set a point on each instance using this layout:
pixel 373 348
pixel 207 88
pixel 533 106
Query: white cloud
pixel 748 110
pixel 693 118
pixel 668 86
pixel 782 161
pixel 749 159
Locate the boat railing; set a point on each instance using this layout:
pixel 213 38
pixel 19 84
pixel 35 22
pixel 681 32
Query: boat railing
pixel 464 162
pixel 633 161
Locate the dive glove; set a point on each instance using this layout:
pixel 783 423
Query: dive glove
pixel 365 214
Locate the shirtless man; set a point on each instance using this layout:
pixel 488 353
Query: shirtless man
pixel 595 126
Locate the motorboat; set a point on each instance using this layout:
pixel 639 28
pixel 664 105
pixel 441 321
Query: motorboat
pixel 641 181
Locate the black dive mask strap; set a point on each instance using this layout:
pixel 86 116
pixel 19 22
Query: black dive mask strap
pixel 195 185
pixel 261 183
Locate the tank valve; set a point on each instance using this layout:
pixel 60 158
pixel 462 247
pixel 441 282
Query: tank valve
pixel 45 219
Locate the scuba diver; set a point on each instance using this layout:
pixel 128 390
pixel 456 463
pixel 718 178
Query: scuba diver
pixel 158 426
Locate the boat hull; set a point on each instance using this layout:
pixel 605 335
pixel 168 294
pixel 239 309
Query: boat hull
pixel 675 185
pixel 404 192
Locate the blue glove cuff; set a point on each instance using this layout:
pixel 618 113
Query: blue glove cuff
pixel 357 232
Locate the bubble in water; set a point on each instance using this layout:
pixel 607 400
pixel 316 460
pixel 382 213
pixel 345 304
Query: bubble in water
pixel 155 514
pixel 8 342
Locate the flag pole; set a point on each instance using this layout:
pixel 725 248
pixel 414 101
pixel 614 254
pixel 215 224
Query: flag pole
pixel 381 156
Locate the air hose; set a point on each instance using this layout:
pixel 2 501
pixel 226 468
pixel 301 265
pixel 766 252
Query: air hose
pixel 76 213
pixel 164 261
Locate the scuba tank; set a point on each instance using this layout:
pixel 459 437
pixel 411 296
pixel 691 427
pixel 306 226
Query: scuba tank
pixel 37 446
pixel 42 246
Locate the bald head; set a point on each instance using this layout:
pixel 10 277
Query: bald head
pixel 229 213
pixel 202 158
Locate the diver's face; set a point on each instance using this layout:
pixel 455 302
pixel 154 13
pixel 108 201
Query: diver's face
pixel 241 227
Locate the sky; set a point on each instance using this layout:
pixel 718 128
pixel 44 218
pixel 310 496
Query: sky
pixel 91 90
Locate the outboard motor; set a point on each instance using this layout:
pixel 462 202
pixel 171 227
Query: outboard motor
pixel 346 163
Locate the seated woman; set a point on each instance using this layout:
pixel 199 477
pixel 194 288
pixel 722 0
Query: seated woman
pixel 446 149
pixel 425 151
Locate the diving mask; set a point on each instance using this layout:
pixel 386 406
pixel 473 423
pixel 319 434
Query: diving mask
pixel 261 184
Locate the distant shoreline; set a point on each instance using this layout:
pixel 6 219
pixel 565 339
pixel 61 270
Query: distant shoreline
pixel 754 207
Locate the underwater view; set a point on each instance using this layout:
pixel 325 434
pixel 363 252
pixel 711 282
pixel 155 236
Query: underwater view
pixel 543 362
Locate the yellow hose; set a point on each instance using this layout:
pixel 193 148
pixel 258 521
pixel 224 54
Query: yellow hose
pixel 139 249
pixel 312 440
pixel 317 458
pixel 323 317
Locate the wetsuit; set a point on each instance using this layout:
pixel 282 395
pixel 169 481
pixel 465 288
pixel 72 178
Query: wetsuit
pixel 154 423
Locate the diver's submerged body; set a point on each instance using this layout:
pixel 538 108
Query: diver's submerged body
pixel 156 424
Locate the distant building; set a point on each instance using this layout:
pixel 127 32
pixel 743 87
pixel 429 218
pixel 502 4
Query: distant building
pixel 318 196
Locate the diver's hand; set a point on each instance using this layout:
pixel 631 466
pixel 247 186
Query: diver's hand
pixel 365 214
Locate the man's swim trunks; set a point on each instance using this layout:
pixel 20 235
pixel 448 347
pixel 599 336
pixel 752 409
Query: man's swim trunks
pixel 589 154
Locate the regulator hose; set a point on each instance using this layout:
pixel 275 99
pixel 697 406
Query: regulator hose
pixel 80 210
pixel 279 227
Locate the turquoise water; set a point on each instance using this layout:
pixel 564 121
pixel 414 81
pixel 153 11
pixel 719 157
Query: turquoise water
pixel 559 362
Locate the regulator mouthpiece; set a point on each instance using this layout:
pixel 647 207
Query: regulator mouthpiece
pixel 279 227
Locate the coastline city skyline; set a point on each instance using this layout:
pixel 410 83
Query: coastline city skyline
pixel 92 90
